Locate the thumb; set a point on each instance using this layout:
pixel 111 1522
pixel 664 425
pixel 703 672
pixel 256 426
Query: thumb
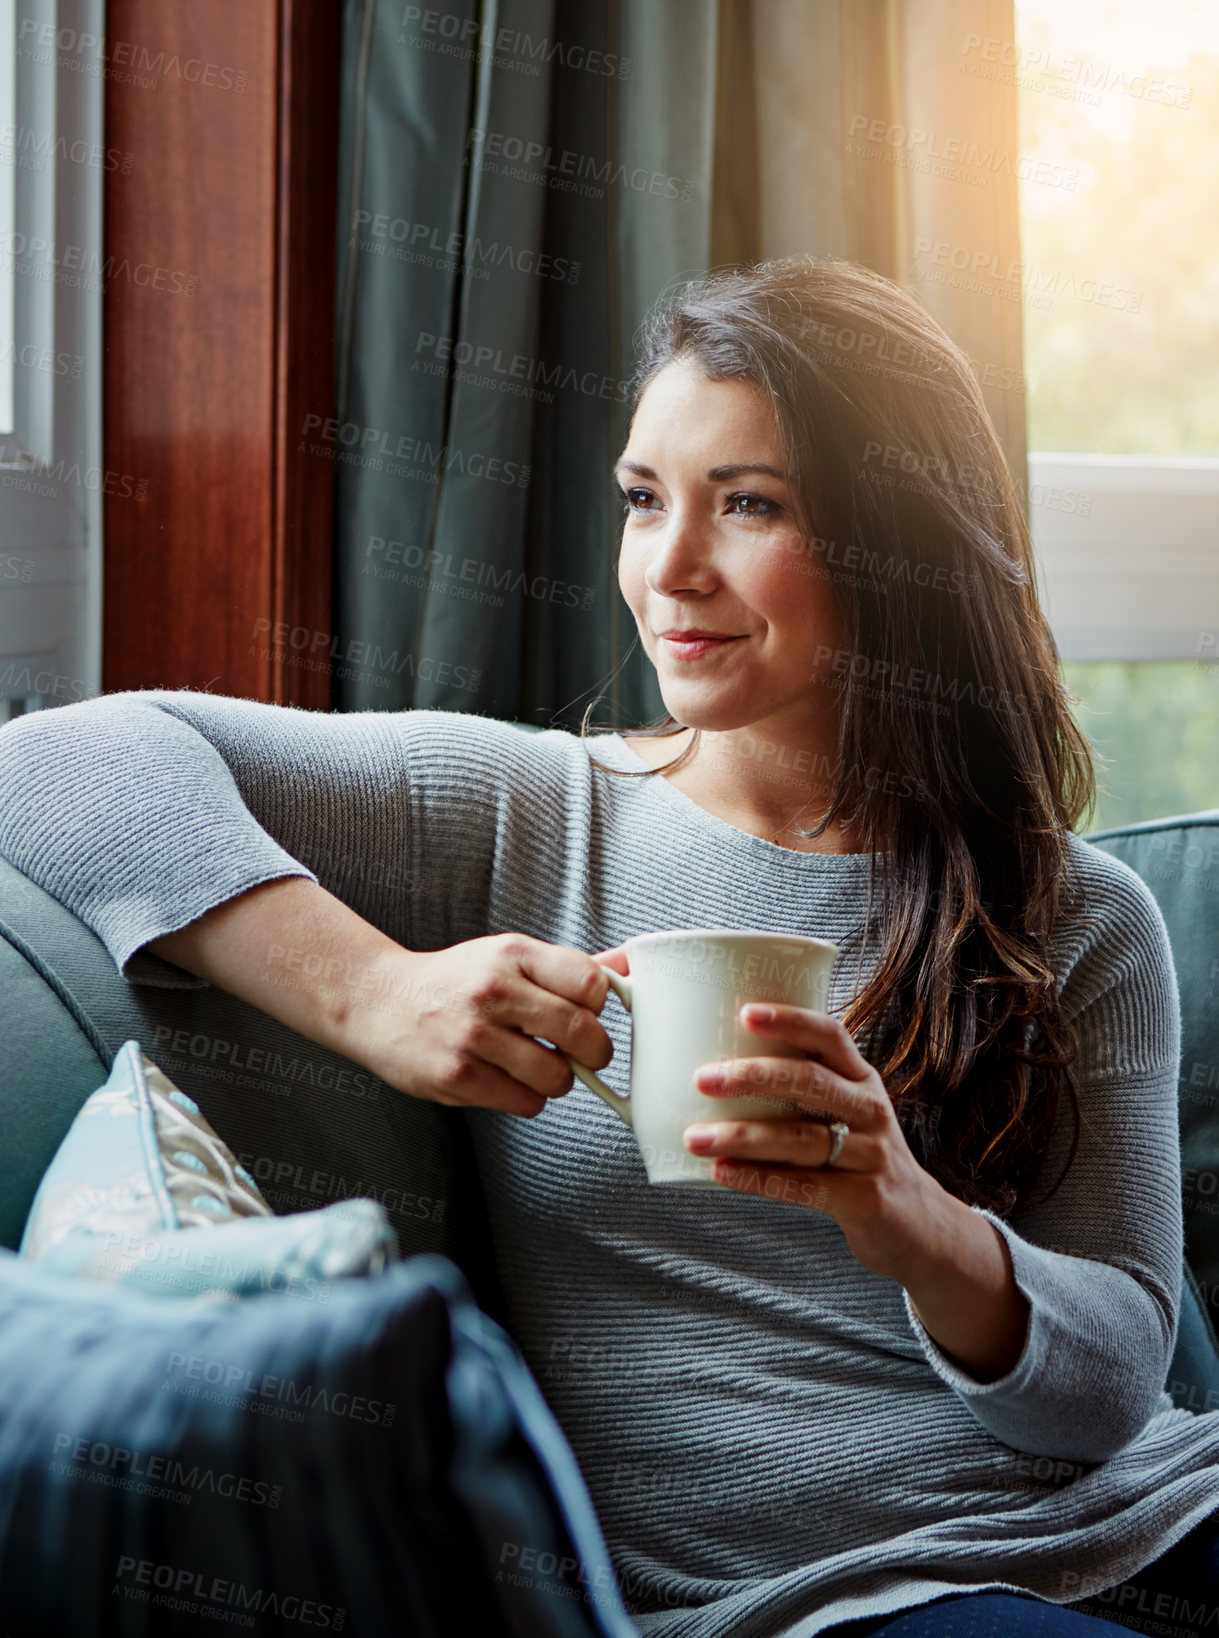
pixel 615 958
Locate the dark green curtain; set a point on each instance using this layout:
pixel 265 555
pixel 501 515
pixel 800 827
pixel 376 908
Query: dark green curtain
pixel 519 181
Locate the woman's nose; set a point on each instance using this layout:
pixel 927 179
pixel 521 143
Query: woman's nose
pixel 681 560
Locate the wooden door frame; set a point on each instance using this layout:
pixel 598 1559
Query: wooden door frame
pixel 218 324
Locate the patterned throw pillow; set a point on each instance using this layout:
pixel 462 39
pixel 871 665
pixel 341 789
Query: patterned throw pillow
pixel 143 1193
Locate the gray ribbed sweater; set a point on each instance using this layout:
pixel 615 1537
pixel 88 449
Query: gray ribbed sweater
pixel 772 1441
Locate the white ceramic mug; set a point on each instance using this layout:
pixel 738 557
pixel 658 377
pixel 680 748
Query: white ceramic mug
pixel 685 992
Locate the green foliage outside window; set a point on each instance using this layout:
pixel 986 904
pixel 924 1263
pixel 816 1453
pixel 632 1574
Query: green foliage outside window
pixel 1155 728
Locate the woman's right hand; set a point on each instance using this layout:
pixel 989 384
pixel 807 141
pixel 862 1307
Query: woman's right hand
pixel 456 1026
pixel 452 1026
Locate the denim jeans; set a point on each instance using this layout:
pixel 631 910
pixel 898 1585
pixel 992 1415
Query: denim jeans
pixel 1176 1596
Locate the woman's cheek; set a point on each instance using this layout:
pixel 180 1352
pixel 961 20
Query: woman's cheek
pixel 785 569
pixel 793 592
pixel 631 567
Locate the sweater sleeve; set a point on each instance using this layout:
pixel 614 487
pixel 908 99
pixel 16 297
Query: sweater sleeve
pixel 1100 1259
pixel 141 811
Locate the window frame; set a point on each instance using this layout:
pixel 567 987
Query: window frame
pixel 51 475
pixel 1128 552
pixel 8 118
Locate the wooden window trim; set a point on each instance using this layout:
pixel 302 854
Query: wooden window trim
pixel 219 342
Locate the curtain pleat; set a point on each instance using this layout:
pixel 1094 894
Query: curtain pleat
pixel 518 192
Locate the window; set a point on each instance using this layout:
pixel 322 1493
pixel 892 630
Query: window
pixel 8 62
pixel 1121 312
pixel 51 157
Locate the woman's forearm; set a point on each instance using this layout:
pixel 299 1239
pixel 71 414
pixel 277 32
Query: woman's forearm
pixel 964 1291
pixel 296 952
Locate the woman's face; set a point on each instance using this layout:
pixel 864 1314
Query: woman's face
pixel 712 543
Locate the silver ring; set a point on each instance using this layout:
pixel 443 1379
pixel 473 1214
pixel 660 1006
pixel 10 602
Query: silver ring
pixel 838 1130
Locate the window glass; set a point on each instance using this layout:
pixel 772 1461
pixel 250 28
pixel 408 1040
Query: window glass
pixel 1155 729
pixel 1120 264
pixel 8 47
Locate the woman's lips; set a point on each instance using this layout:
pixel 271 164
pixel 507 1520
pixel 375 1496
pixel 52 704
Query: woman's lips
pixel 694 648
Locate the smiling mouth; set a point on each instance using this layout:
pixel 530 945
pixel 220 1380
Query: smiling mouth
pixel 693 648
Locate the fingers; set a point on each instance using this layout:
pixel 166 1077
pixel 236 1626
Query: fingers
pixel 476 1083
pixel 804 1143
pixel 533 1064
pixel 816 1089
pixel 818 1033
pixel 508 994
pixel 464 1033
pixel 560 994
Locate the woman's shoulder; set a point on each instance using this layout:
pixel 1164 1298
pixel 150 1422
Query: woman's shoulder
pixel 497 772
pixel 1112 948
pixel 524 746
pixel 507 744
pixel 1103 891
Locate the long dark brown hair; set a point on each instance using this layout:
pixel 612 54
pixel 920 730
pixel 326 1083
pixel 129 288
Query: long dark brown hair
pixel 949 681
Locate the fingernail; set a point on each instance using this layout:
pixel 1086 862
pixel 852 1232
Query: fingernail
pixel 756 1013
pixel 699 1138
pixel 710 1077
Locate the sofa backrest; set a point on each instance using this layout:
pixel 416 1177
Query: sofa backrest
pixel 1179 861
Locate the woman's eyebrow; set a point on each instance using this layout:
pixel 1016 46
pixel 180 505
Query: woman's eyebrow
pixel 725 474
pixel 717 474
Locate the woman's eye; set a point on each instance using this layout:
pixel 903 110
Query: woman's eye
pixel 742 505
pixel 638 500
pixel 752 506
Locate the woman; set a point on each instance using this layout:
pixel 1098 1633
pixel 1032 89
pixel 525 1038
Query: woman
pixel 943 1383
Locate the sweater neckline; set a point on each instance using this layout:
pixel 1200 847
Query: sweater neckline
pixel 743 840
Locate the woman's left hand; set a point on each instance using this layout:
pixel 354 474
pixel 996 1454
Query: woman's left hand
pixel 898 1221
pixel 893 1213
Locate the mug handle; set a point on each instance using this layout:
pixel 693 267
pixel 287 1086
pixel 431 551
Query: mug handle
pixel 621 987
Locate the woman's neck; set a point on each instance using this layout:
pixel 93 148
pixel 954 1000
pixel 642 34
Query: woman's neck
pixel 752 784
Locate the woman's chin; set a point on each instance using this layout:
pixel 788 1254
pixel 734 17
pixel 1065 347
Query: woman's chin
pixel 705 715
